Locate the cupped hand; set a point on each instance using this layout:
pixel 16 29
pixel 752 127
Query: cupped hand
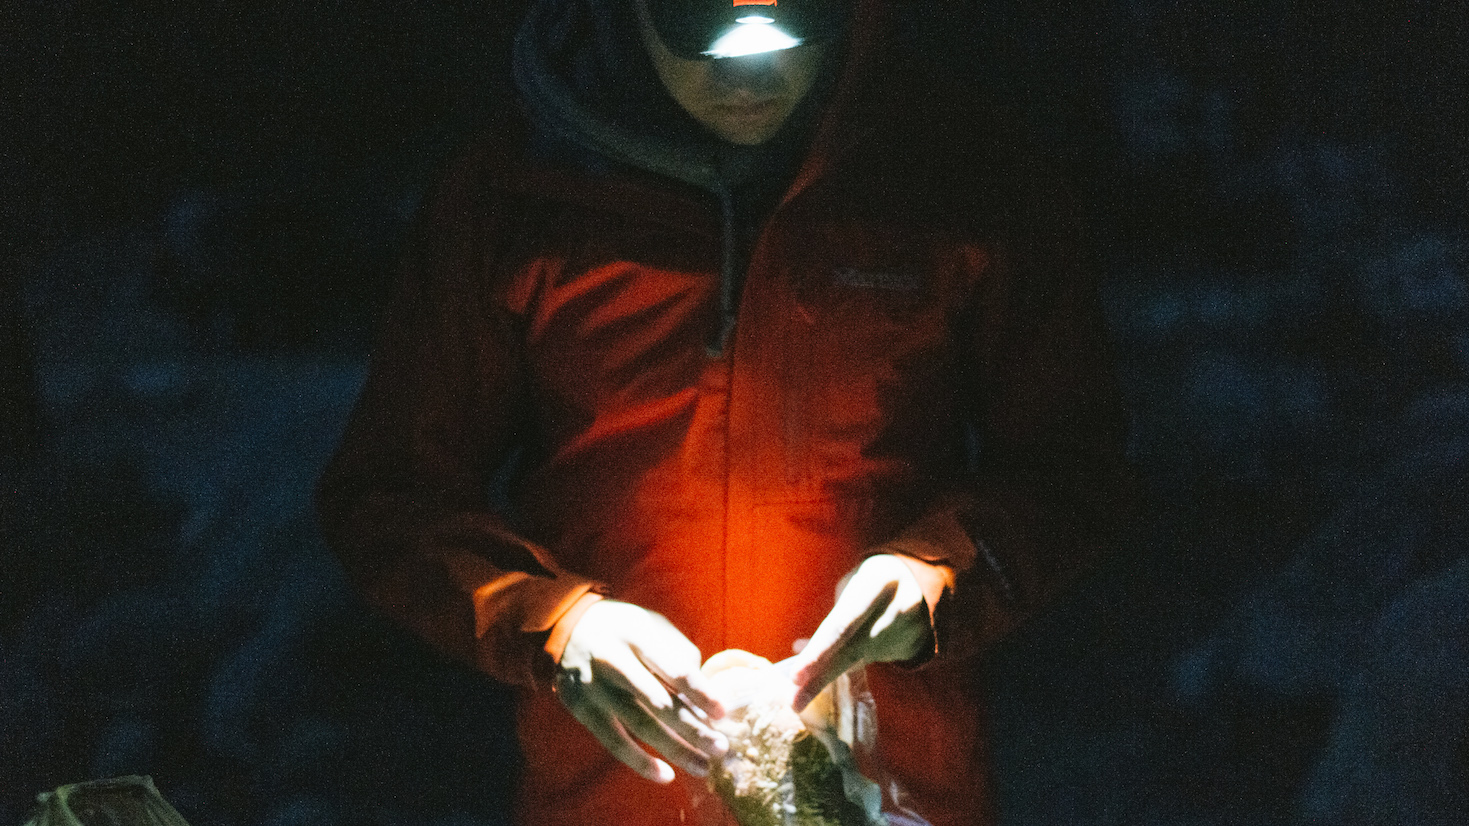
pixel 879 616
pixel 628 675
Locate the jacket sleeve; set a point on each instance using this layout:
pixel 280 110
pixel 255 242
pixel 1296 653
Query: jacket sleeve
pixel 404 503
pixel 1050 491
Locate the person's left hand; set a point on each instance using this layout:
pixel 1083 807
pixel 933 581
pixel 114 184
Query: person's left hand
pixel 880 616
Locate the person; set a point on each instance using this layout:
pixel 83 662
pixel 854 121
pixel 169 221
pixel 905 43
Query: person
pixel 686 345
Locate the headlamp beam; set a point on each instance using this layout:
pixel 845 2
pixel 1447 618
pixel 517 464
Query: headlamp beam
pixel 753 34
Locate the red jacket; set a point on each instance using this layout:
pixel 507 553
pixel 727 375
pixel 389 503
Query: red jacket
pixel 917 367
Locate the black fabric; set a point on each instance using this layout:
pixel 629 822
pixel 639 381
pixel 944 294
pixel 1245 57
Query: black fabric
pixel 595 99
pixel 592 53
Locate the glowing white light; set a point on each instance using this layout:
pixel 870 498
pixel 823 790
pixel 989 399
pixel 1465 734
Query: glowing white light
pixel 752 35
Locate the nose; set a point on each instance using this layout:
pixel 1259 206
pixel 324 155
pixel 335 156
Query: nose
pixel 757 74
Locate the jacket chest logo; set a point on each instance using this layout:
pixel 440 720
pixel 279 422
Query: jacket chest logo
pixel 876 279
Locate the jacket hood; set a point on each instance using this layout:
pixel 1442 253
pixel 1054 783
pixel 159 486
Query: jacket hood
pixel 597 104
pixel 595 99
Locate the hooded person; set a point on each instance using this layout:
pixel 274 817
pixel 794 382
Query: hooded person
pixel 683 348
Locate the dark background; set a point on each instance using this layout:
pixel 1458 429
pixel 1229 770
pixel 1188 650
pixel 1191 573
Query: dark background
pixel 200 205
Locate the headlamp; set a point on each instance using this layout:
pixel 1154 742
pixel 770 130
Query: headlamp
pixel 711 29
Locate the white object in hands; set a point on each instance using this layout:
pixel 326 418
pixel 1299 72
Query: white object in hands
pixel 785 769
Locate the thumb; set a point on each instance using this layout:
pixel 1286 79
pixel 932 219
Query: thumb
pixel 841 640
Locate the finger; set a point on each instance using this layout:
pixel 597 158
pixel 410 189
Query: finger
pixel 858 608
pixel 822 673
pixel 614 737
pixel 644 724
pixel 817 674
pixel 627 671
pixel 837 644
pixel 675 661
pixel 694 688
pixel 690 727
pixel 907 600
pixel 885 621
pixel 678 719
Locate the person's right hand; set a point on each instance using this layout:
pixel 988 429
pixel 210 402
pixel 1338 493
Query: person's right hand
pixel 628 673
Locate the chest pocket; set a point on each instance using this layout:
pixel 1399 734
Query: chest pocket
pixel 868 341
pixel 874 288
pixel 847 274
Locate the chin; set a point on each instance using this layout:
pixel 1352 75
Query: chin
pixel 745 134
pixel 747 139
pixel 745 128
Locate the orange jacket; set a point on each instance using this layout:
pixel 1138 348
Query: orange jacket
pixel 918 367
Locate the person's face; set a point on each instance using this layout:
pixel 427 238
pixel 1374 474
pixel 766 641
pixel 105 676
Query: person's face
pixel 743 100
